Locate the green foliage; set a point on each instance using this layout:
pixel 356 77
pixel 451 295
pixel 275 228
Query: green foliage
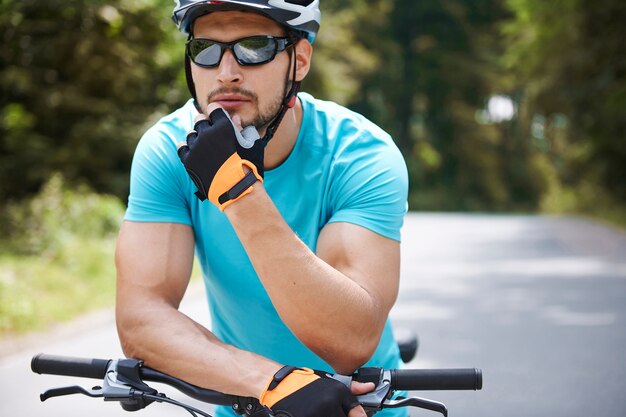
pixel 423 71
pixel 342 60
pixel 37 291
pixel 569 61
pixel 57 256
pixel 43 224
pixel 78 81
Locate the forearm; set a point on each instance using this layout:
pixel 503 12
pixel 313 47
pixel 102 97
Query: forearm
pixel 327 310
pixel 166 339
pixel 154 264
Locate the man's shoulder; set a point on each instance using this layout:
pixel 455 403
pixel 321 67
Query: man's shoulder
pixel 333 112
pixel 336 122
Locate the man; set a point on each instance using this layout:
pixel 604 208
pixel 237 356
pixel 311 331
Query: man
pixel 297 232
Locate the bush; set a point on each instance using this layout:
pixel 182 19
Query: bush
pixel 56 260
pixel 46 222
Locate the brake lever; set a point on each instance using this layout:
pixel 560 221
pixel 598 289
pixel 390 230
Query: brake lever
pixel 417 402
pixel 121 383
pixel 113 390
pixel 95 392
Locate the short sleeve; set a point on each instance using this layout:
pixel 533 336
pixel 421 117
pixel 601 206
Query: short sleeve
pixel 370 184
pixel 159 185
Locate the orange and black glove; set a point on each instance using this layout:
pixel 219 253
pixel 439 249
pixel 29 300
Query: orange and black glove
pixel 212 159
pixel 302 392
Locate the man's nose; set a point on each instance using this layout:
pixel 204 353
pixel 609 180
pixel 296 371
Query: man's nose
pixel 229 71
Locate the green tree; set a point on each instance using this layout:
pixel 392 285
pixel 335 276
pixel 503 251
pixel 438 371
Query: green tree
pixel 568 59
pixel 425 70
pixel 342 60
pixel 78 80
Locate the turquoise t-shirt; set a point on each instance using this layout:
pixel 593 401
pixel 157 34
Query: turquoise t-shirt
pixel 343 168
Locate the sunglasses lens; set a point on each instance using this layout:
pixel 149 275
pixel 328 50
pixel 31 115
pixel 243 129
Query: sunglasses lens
pixel 255 50
pixel 249 51
pixel 205 53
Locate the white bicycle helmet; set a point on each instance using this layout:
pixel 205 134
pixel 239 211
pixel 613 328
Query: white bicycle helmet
pixel 299 15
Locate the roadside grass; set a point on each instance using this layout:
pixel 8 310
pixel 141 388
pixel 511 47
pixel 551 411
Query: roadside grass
pixel 56 256
pixel 37 291
pixel 587 200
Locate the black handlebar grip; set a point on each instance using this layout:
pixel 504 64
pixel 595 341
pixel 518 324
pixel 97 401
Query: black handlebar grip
pixel 437 379
pixel 68 366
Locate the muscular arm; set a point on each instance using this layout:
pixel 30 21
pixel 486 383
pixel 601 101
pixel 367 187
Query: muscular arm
pixel 336 301
pixel 154 262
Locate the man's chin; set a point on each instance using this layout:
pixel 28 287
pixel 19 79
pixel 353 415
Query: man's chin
pixel 260 127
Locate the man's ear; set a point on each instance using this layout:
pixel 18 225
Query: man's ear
pixel 304 51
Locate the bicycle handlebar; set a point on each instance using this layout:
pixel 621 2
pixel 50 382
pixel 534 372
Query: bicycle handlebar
pixel 437 379
pixel 97 368
pixel 401 379
pixel 130 373
pixel 69 366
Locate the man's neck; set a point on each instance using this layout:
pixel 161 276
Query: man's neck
pixel 281 145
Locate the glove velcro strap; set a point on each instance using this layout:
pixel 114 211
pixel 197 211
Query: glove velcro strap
pixel 231 183
pixel 238 188
pixel 280 375
pixel 296 379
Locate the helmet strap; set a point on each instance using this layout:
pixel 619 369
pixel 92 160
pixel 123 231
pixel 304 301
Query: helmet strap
pixel 190 84
pixel 289 101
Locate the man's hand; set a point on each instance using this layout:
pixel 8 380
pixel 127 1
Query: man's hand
pixel 306 393
pixel 211 159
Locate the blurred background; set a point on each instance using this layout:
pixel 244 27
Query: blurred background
pixel 499 106
pixel 508 112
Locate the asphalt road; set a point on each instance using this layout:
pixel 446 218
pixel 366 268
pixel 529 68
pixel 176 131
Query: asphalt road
pixel 538 303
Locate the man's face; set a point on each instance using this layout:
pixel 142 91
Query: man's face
pixel 254 93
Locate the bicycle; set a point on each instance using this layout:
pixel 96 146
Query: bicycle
pixel 124 380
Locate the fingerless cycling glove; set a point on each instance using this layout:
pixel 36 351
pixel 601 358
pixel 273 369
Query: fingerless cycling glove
pixel 307 393
pixel 211 159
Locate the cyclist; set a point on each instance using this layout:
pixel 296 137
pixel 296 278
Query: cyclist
pixel 293 206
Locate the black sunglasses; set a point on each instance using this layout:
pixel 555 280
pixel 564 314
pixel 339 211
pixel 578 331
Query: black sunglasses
pixel 254 50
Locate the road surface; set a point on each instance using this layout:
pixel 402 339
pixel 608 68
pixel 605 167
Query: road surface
pixel 538 303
